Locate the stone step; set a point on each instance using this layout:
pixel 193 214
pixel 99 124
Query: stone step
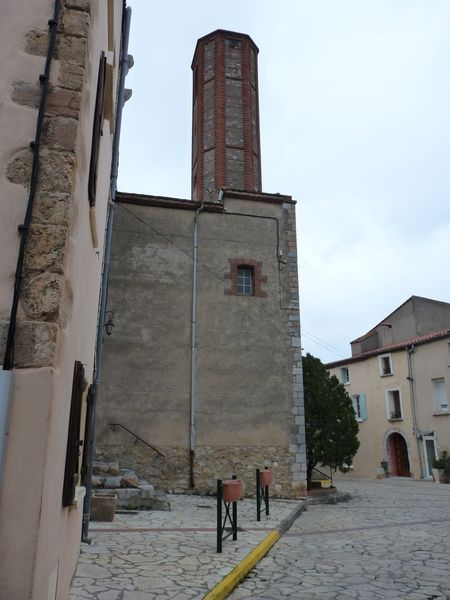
pixel 105 468
pixel 125 487
pixel 125 479
pixel 145 497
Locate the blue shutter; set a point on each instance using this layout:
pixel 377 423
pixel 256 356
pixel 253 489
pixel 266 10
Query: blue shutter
pixel 362 406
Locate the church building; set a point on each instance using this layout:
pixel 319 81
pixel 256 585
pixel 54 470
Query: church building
pixel 202 373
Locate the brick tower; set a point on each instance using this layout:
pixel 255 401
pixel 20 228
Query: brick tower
pixel 226 330
pixel 225 123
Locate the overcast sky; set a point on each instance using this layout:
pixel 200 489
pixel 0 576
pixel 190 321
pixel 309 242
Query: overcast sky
pixel 355 125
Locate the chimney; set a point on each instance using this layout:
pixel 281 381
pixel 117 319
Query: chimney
pixel 225 121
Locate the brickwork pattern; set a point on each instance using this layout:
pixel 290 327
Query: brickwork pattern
pixel 258 277
pixel 226 148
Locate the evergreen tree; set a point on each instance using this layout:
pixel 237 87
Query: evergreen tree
pixel 330 422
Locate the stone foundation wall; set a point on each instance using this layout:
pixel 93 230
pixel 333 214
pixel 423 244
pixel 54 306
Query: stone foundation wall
pixel 171 473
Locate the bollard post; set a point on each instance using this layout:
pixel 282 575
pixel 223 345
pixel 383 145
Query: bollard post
pixel 258 496
pixel 219 516
pixel 262 491
pixel 234 513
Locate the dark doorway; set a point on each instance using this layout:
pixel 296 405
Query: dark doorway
pixel 398 456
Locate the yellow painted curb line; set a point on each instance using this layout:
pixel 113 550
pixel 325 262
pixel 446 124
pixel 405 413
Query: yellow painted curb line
pixel 230 581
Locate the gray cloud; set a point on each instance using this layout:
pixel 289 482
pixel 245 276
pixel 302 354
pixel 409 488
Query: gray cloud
pixel 355 123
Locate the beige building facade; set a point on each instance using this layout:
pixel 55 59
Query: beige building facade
pixel 399 380
pixel 60 65
pixel 204 362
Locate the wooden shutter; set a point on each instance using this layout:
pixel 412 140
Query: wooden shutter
pixel 73 436
pixel 88 436
pixel 363 407
pixel 97 130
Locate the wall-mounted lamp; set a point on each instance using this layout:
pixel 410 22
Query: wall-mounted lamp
pixel 109 323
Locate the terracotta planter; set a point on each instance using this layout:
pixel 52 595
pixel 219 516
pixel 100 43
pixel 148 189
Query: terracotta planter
pixel 233 490
pixel 265 477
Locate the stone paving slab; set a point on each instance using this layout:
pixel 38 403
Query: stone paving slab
pixel 168 555
pixel 390 541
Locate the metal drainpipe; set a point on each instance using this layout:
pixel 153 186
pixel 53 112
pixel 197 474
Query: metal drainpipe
pixel 126 62
pixel 412 393
pixel 193 349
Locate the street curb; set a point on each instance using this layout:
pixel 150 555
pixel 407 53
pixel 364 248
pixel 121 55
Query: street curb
pixel 230 581
pixel 287 522
pixel 242 569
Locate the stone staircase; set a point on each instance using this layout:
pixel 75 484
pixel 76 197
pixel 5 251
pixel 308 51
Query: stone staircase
pixel 132 493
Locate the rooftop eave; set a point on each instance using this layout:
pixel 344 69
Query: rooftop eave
pixel 184 203
pixel 398 347
pixel 166 202
pixel 258 196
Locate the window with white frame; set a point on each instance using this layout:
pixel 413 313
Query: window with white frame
pixel 385 365
pixel 440 394
pixel 344 376
pixel 394 405
pixel 245 280
pixel 359 406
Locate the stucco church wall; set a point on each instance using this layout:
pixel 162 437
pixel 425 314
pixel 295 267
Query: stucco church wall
pixel 248 347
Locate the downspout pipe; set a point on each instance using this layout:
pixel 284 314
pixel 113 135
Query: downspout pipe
pixel 126 62
pixel 193 349
pixel 6 372
pixel 412 393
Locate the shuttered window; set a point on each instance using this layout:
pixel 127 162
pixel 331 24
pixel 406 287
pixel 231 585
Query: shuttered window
pixel 359 406
pixel 385 365
pixel 394 405
pixel 440 394
pixel 344 376
pixel 73 436
pixel 88 436
pixel 97 130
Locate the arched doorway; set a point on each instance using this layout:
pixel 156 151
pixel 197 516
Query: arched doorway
pixel 398 456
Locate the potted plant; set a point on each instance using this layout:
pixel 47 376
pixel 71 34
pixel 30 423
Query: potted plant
pixel 442 465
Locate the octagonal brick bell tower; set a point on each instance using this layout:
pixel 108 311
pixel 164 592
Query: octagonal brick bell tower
pixel 226 150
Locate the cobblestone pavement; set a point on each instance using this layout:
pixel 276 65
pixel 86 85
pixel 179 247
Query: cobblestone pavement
pixel 155 555
pixel 391 541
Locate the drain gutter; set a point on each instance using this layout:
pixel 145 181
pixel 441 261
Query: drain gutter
pixel 193 397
